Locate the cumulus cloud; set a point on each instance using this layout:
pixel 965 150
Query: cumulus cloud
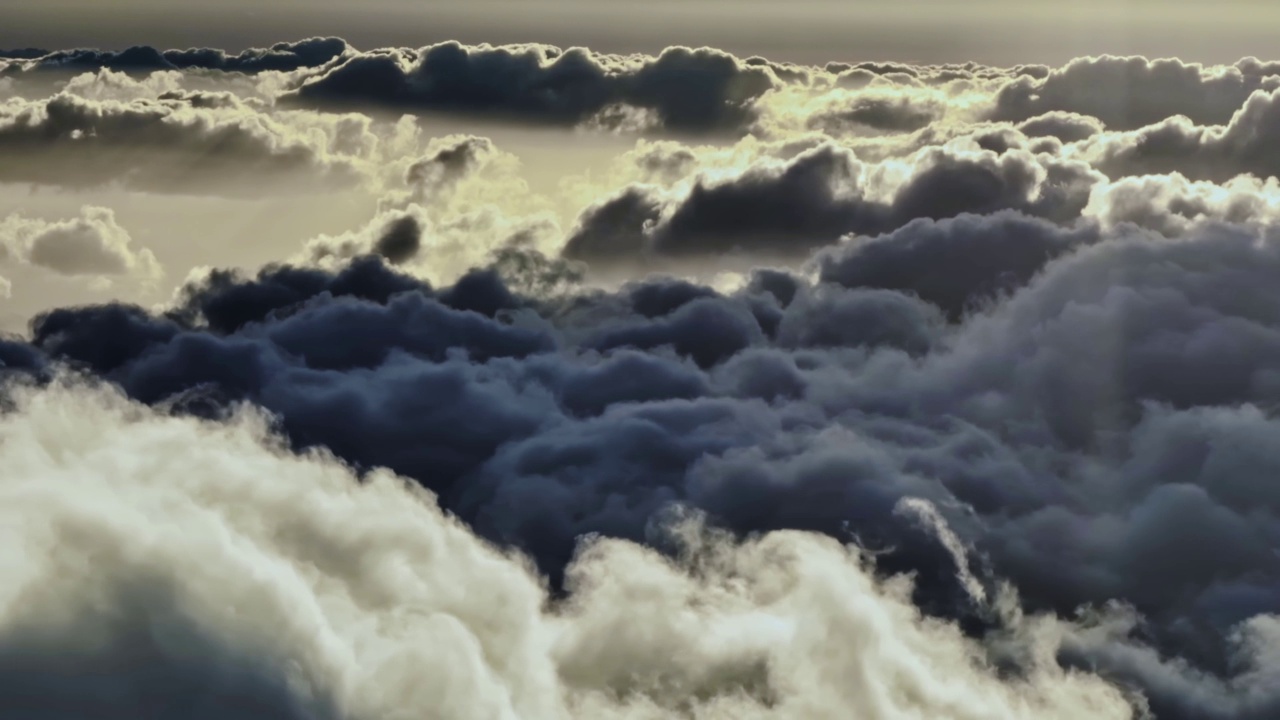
pixel 91 245
pixel 866 101
pixel 955 264
pixel 790 405
pixel 1174 205
pixel 1065 126
pixel 180 142
pixel 1247 143
pixel 786 208
pixel 229 576
pixel 453 207
pixel 693 90
pixel 1127 93
pixel 1015 341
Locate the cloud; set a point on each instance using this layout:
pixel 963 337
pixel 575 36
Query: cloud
pixel 1248 143
pixel 956 264
pixel 111 85
pixel 1175 206
pixel 1127 93
pixel 1093 405
pixel 870 102
pixel 453 206
pixel 990 349
pixel 229 576
pixel 177 144
pixel 1065 126
pixel 690 90
pixel 450 166
pixel 91 245
pixel 281 57
pixel 400 240
pixel 784 209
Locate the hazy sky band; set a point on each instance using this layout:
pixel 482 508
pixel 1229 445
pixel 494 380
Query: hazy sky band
pixel 810 31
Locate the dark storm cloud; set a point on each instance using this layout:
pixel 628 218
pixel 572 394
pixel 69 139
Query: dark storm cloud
pixel 182 143
pixel 226 302
pixel 23 53
pixel 697 90
pixel 1127 93
pixel 400 240
pixel 284 57
pixel 693 90
pixel 954 264
pixel 811 200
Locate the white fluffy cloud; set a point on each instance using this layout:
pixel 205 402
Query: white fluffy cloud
pixel 149 556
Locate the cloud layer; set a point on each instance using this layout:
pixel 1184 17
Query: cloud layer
pixel 863 390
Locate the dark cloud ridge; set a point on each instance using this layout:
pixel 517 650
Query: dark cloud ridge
pixel 814 199
pixel 690 90
pixel 283 56
pixel 694 90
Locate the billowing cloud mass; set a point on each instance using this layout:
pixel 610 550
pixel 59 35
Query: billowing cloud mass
pixel 314 595
pixel 789 207
pixel 693 90
pixel 684 385
pixel 1126 93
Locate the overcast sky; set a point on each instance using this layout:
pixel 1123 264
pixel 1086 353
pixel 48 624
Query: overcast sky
pixel 813 31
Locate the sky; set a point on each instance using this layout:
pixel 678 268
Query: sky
pixel 805 31
pixel 558 360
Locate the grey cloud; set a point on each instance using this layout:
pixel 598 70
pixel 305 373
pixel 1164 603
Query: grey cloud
pixel 400 239
pixel 1127 93
pixel 1072 380
pixel 788 209
pixel 694 90
pixel 1066 126
pixel 434 176
pixel 169 145
pixel 833 317
pixel 90 245
pixel 1175 206
pixel 1248 143
pixel 900 114
pixel 283 57
pixel 959 264
pixel 1043 428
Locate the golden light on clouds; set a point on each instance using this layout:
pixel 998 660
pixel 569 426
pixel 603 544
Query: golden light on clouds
pixel 563 360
